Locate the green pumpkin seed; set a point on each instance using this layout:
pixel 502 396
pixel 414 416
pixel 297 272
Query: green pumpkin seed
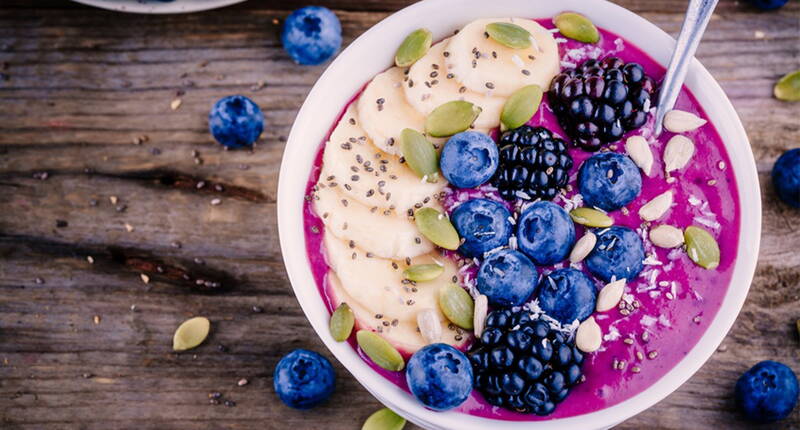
pixel 788 87
pixel 577 27
pixel 414 47
pixel 419 154
pixel 191 333
pixel 451 118
pixel 521 106
pixel 508 34
pixel 342 322
pixel 437 228
pixel 384 419
pixel 591 217
pixel 380 351
pixel 423 272
pixel 701 247
pixel 457 305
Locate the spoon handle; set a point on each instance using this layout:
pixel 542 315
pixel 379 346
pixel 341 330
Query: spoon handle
pixel 697 16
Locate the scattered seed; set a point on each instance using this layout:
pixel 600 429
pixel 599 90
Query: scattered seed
pixel 242 382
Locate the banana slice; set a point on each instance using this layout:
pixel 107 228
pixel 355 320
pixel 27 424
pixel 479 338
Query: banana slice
pixel 385 234
pixel 369 175
pixel 384 112
pixel 430 84
pixel 485 66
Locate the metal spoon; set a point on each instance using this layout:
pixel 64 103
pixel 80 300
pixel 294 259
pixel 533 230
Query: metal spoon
pixel 694 25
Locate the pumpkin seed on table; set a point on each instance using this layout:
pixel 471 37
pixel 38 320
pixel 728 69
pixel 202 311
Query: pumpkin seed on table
pixel 590 217
pixel 521 106
pixel 191 333
pixel 380 351
pixel 701 247
pixel 384 419
pixel 423 272
pixel 342 322
pixel 788 87
pixel 414 47
pixel 450 118
pixel 437 228
pixel 508 34
pixel 457 305
pixel 577 27
pixel 420 155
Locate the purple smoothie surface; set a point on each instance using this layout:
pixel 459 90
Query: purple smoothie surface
pixel 677 300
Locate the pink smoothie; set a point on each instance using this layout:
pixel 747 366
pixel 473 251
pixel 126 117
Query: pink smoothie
pixel 675 300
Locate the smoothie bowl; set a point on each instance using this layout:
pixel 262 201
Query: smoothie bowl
pixel 480 188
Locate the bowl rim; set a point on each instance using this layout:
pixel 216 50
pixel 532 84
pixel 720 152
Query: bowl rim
pixel 340 82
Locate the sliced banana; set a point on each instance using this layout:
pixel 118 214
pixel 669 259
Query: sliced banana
pixel 384 112
pixel 430 85
pixel 485 66
pixel 381 232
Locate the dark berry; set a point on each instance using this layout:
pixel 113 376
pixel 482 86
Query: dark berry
pixel 498 319
pixel 501 357
pixel 563 355
pixel 492 336
pixel 531 368
pixel 512 383
pixel 518 341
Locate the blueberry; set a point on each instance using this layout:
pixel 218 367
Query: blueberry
pixel 609 180
pixel 469 159
pixel 768 4
pixel 545 232
pixel 619 253
pixel 786 177
pixel 303 379
pixel 501 357
pixel 439 376
pixel 518 340
pixel 507 278
pixel 483 224
pixel 512 383
pixel 567 295
pixel 236 121
pixel 311 35
pixel 492 336
pixel 530 367
pixel 767 392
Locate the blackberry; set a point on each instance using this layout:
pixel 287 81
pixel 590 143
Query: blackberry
pixel 601 100
pixel 534 164
pixel 524 365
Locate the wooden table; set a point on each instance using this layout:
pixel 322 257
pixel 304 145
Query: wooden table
pixel 98 174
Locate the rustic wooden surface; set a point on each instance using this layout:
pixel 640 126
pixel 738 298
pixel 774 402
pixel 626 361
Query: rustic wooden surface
pixel 88 345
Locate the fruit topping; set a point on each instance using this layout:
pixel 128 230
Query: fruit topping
pixel 534 164
pixel 589 337
pixel 303 379
pixel 342 322
pixel 507 278
pixel 520 107
pixel 577 27
pixel 657 207
pixel 567 295
pixel 311 35
pixel 641 154
pixel 767 392
pixel 380 351
pixel 590 217
pixel 440 376
pixel 414 47
pixel 601 100
pixel 701 247
pixel 236 121
pixel 423 272
pixel 786 177
pixel 419 154
pixel 678 121
pixel 469 159
pixel 618 254
pixel 678 153
pixel 609 181
pixel 508 34
pixel 483 224
pixel 545 233
pixel 523 364
pixel 437 228
pixel 457 305
pixel 451 118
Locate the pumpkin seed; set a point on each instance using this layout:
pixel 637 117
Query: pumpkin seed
pixel 591 217
pixel 342 322
pixel 450 118
pixel 419 154
pixel 521 106
pixel 457 305
pixel 588 337
pixel 577 27
pixel 414 47
pixel 430 327
pixel 678 121
pixel 788 87
pixel 701 247
pixel 423 272
pixel 191 333
pixel 508 34
pixel 437 228
pixel 384 419
pixel 610 295
pixel 380 351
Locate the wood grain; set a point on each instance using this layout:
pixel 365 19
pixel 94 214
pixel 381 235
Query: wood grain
pixel 87 345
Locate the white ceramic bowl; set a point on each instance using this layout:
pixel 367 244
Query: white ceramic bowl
pixel 373 52
pixel 158 7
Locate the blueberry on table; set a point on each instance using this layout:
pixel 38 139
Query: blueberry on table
pixel 609 181
pixel 439 376
pixel 311 35
pixel 768 4
pixel 303 379
pixel 786 177
pixel 482 224
pixel 567 295
pixel 236 121
pixel 469 159
pixel 545 232
pixel 767 392
pixel 618 254
pixel 507 278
